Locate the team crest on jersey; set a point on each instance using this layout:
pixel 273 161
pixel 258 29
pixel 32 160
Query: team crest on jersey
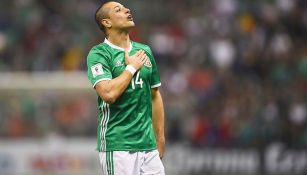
pixel 97 70
pixel 147 63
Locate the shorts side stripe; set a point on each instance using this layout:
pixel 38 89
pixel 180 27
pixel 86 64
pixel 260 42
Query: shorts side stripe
pixel 112 163
pixel 108 163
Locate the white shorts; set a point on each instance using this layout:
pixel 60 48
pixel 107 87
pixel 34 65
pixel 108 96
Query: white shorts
pixel 131 163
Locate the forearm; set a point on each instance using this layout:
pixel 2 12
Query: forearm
pixel 158 117
pixel 111 90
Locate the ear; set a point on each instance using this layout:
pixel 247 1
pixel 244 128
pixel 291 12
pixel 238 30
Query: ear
pixel 107 23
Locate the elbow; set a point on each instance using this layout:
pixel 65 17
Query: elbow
pixel 109 98
pixel 107 94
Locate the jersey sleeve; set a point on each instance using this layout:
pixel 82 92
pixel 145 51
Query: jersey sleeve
pixel 98 68
pixel 155 77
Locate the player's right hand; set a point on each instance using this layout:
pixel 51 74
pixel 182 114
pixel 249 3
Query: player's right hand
pixel 137 60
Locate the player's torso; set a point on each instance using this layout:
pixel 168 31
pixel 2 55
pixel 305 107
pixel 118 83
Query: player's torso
pixel 130 115
pixel 138 91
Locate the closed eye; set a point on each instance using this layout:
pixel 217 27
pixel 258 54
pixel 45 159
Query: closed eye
pixel 117 8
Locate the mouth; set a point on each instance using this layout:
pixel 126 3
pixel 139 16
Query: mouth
pixel 130 18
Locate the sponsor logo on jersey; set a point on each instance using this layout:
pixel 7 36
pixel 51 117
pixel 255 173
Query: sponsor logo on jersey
pixel 119 63
pixel 147 63
pixel 97 70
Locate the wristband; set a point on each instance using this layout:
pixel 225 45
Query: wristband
pixel 131 69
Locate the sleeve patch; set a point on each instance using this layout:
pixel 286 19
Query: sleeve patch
pixel 97 70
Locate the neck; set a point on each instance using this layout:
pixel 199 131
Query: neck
pixel 120 39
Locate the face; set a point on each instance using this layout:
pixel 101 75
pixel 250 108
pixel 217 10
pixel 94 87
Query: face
pixel 119 17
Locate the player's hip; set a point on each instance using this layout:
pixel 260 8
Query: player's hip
pixel 131 162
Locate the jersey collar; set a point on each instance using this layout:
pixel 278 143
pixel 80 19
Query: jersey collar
pixel 116 47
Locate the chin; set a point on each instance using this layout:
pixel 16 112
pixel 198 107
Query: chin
pixel 132 24
pixel 129 25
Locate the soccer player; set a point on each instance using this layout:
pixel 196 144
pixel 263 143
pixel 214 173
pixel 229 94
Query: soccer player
pixel 131 114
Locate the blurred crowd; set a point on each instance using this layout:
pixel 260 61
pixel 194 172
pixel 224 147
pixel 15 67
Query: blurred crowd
pixel 234 72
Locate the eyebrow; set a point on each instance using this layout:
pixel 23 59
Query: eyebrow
pixel 117 6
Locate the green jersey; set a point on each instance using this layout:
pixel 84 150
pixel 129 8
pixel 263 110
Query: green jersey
pixel 125 125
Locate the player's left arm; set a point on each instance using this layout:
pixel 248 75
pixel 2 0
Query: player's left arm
pixel 158 119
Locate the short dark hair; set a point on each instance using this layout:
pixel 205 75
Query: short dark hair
pixel 101 14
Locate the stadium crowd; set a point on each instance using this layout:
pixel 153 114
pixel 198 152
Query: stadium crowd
pixel 234 72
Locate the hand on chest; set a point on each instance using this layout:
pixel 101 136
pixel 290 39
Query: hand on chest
pixel 141 76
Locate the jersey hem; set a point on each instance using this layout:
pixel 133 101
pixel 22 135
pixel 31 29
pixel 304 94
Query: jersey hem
pixel 135 150
pixel 156 85
pixel 101 80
